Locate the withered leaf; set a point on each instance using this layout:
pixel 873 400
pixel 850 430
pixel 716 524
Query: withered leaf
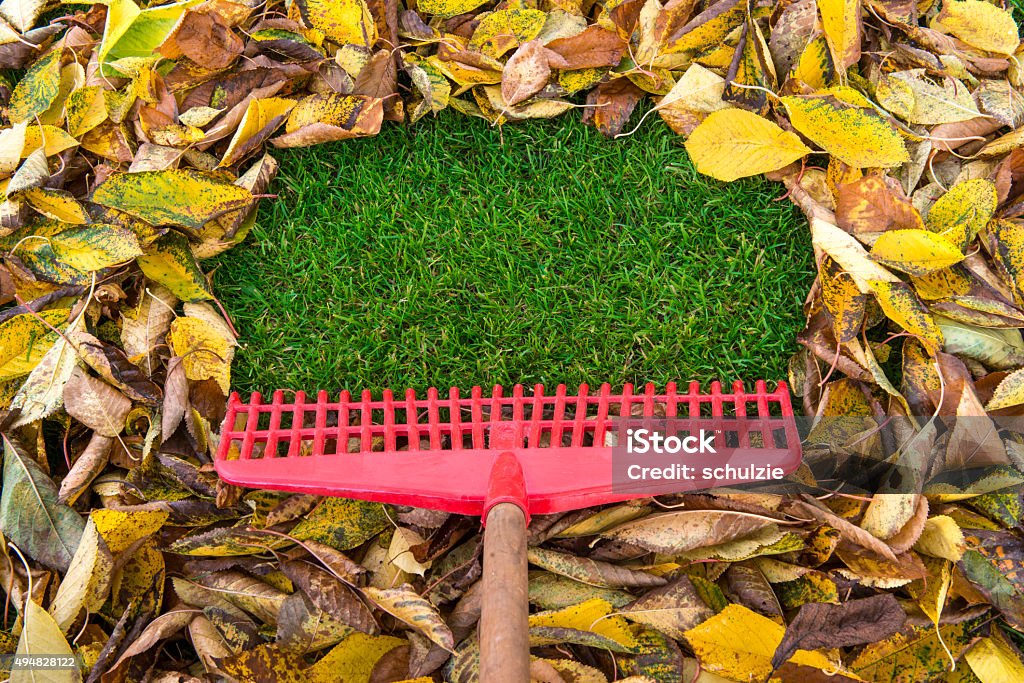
pixel 331 595
pixel 856 622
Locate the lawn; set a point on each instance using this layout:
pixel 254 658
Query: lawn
pixel 454 253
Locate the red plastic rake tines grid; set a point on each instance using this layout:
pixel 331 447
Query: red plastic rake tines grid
pixel 438 452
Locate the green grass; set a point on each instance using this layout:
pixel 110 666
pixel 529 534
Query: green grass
pixel 453 253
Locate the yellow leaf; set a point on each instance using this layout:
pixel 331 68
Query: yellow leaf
pixel 346 22
pixel 59 205
pixel 464 74
pixel 993 661
pixel 40 635
pixel 448 8
pixel 980 24
pixel 352 660
pixel 931 596
pixel 205 352
pixel 963 211
pixel 739 643
pixel 591 616
pixel 503 30
pixel 25 339
pixel 941 537
pixel 1010 392
pixel 915 251
pixel 262 118
pixel 401 555
pixel 12 141
pixel 734 143
pixel 698 93
pixel 842 22
pixel 855 135
pixel 170 262
pixel 849 254
pixel 815 64
pixel 52 139
pixel 901 305
pixel 87 582
pixel 37 89
pixel 843 301
pixel 121 529
pixel 85 109
pixel 172 197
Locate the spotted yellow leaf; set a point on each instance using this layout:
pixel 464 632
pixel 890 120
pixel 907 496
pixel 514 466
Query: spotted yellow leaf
pixel 85 109
pixel 843 301
pixel 25 339
pixel 857 136
pixel 170 262
pixel 963 211
pixel 172 197
pixel 448 8
pixel 120 529
pixel 707 29
pixel 590 622
pixel 205 352
pixel 734 143
pixel 980 24
pixel 346 22
pixel 503 30
pixel 1010 392
pixel 406 604
pixel 916 252
pixel 901 305
pixel 37 89
pixel 94 247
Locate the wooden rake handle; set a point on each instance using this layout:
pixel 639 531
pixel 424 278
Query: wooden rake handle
pixel 504 615
pixel 504 627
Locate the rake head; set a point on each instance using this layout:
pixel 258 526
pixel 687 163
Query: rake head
pixel 464 454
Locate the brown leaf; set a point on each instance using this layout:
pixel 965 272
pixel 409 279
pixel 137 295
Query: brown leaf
pixel 594 47
pixel 175 397
pixel 590 571
pixel 96 404
pixel 681 530
pixel 869 204
pixel 672 609
pixel 206 40
pixel 610 105
pixel 857 622
pixel 331 595
pixel 87 467
pixel 526 72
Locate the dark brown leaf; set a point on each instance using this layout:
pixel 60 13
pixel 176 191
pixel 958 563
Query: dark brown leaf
pixel 856 622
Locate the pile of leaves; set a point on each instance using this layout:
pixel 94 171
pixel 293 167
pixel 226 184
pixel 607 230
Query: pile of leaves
pixel 133 147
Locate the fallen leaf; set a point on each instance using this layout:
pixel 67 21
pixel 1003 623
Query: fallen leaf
pixel 734 143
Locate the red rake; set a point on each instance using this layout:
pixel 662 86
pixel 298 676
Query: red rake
pixel 503 458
